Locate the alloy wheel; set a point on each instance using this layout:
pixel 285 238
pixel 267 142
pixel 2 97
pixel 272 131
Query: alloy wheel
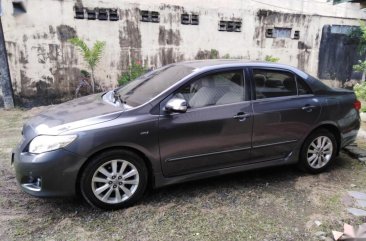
pixel 320 152
pixel 115 181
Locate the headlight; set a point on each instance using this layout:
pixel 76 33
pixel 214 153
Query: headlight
pixel 42 144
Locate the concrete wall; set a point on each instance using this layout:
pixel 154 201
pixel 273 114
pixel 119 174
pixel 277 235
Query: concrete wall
pixel 45 68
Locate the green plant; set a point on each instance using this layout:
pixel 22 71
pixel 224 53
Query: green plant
pixel 361 67
pixel 91 56
pixel 135 70
pixel 85 73
pixel 360 90
pixel 214 54
pixel 363 109
pixel 360 35
pixel 270 58
pixel 226 56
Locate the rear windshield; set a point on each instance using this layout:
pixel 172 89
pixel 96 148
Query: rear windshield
pixel 151 84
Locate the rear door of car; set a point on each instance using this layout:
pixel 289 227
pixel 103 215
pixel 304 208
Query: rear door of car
pixel 284 110
pixel 211 134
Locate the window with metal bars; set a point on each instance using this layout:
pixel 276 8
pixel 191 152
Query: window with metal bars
pixel 230 26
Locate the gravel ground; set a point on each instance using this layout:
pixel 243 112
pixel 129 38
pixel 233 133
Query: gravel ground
pixel 269 204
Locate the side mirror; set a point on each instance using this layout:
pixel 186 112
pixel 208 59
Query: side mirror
pixel 176 105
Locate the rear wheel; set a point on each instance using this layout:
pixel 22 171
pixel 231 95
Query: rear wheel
pixel 114 179
pixel 318 151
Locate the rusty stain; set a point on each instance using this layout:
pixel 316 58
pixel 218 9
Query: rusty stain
pixel 279 43
pixel 65 32
pixel 129 35
pixel 25 83
pixel 79 3
pixel 302 45
pixel 53 52
pixel 205 54
pixel 169 36
pixel 303 59
pixel 270 15
pixel 129 39
pixel 41 54
pixel 167 55
pixel 11 48
pixel 23 58
pixel 171 7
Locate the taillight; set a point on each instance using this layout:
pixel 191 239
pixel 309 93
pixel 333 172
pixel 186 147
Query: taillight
pixel 357 105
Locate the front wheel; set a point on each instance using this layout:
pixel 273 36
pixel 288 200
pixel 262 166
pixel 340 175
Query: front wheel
pixel 114 179
pixel 318 151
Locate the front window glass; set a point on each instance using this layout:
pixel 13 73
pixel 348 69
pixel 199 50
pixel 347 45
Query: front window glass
pixel 151 84
pixel 214 89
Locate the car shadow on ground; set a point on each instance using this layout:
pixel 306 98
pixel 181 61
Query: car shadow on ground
pixel 280 176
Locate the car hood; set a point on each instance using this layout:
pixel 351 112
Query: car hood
pixel 70 115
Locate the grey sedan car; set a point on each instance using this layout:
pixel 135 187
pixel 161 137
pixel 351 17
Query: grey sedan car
pixel 183 122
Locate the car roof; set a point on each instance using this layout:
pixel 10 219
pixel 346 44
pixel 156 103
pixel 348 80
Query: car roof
pixel 212 64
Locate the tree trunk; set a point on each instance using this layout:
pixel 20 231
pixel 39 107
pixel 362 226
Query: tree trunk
pixel 92 80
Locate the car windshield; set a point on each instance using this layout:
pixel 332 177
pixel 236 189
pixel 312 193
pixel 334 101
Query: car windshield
pixel 151 84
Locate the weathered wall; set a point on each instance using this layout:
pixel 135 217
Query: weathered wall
pixel 45 68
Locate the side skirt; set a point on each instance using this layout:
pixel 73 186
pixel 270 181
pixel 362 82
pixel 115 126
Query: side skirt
pixel 161 181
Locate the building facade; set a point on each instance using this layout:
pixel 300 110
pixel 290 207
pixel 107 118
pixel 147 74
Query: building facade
pixel 45 68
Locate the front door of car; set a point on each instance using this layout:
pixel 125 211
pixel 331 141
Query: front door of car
pixel 284 111
pixel 215 132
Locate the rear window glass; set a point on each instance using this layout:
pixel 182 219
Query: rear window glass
pixel 273 83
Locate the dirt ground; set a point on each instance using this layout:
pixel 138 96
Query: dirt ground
pixel 270 204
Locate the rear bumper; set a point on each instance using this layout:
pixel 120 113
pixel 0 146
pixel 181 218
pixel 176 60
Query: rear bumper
pixel 349 139
pixel 350 135
pixel 49 174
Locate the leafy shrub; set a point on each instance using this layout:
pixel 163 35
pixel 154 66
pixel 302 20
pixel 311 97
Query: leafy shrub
pixel 360 90
pixel 214 54
pixel 270 58
pixel 363 109
pixel 84 73
pixel 360 67
pixel 135 70
pixel 91 56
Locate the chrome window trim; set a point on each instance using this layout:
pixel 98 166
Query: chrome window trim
pixel 282 98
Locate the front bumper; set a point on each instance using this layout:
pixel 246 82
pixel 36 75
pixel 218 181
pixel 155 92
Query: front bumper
pixel 50 174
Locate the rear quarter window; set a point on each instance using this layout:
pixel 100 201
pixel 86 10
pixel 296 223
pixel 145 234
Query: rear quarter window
pixel 302 87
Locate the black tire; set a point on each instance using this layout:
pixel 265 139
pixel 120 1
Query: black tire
pixel 304 164
pixel 104 158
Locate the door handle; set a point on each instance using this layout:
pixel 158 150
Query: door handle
pixel 241 116
pixel 308 108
